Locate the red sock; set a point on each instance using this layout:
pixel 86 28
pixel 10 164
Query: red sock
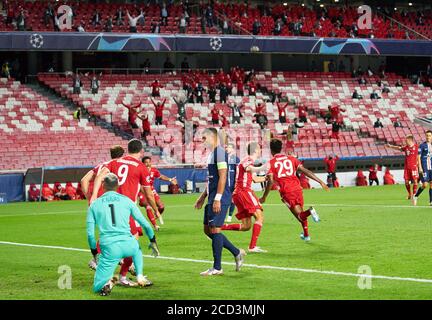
pixel 151 216
pixel 233 226
pixel 305 228
pixel 255 234
pixel 408 187
pixel 415 188
pixel 98 247
pixel 304 215
pixel 127 262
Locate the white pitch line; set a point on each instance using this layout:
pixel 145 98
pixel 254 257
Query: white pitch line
pixel 335 273
pixel 40 213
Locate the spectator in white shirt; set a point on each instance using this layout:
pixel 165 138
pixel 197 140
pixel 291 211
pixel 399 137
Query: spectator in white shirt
pixel 133 22
pixel 182 24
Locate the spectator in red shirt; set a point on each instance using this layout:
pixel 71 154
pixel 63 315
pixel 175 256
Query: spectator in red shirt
pixel 70 191
pixel 388 177
pixel 155 88
pixel 240 88
pixel 47 193
pixel 259 108
pixel 224 121
pixel 335 112
pixel 215 115
pixel 60 192
pixel 373 174
pixel 145 126
pixel 33 193
pixel 361 179
pixel 133 113
pixel 252 88
pixel 159 111
pixel 282 114
pixel 331 164
pixel 302 113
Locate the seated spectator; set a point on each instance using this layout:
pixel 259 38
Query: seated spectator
pixel 356 95
pixel 385 89
pixel 378 124
pixel 70 190
pixel 47 193
pixel 304 181
pixel 388 177
pixel 374 95
pixel 33 193
pixel 80 27
pixel 397 123
pixel 60 192
pixel 398 83
pixel 362 80
pixel 361 179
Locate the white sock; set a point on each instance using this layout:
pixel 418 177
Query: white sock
pixel 123 278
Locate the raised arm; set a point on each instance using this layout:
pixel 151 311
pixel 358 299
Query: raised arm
pixel 98 183
pixel 85 183
pixel 165 178
pixel 388 145
pixel 312 176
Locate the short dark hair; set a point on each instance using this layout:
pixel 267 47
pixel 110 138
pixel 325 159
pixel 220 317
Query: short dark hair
pixel 428 131
pixel 275 146
pixel 213 131
pixel 251 148
pixel 135 146
pixel 116 151
pixel 146 158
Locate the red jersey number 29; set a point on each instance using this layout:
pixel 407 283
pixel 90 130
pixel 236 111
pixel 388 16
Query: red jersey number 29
pixel 122 173
pixel 285 168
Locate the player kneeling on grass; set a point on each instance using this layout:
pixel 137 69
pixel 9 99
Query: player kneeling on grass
pixel 282 169
pixel 245 200
pixel 111 213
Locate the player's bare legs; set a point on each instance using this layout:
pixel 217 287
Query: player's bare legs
pixel 161 208
pixel 128 266
pixel 420 190
pixel 302 217
pixel 149 211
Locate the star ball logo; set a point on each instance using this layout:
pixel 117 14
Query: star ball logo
pixel 36 40
pixel 216 43
pixel 364 22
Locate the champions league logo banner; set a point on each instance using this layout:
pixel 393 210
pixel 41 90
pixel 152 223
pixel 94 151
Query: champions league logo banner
pixel 115 42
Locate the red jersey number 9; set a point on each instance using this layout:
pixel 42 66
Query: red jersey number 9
pixel 285 168
pixel 122 173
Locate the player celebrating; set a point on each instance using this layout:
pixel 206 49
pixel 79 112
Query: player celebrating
pixel 154 174
pixel 411 170
pixel 132 174
pixel 425 167
pixel 219 200
pixel 111 213
pixel 282 169
pixel 247 203
pixel 233 161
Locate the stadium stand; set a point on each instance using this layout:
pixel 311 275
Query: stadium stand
pixel 295 20
pixel 315 90
pixel 36 132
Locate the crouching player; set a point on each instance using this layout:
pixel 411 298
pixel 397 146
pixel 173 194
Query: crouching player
pixel 111 213
pixel 245 200
pixel 282 169
pixel 154 174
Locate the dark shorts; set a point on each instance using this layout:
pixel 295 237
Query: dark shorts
pixel 426 176
pixel 215 220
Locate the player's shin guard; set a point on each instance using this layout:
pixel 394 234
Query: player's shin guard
pixel 151 216
pixel 305 228
pixel 232 227
pixel 255 234
pixel 127 262
pixel 217 246
pixel 161 208
pixel 415 186
pixel 304 215
pixel 419 191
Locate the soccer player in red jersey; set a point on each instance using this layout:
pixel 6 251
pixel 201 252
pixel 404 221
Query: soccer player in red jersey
pixel 154 174
pixel 411 174
pixel 283 169
pixel 132 176
pixel 244 198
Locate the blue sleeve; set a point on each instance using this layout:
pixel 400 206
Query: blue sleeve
pixel 91 224
pixel 137 215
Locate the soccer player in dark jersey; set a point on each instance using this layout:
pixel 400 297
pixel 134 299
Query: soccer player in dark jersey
pixel 425 167
pixel 410 149
pixel 219 200
pixel 283 169
pixel 233 161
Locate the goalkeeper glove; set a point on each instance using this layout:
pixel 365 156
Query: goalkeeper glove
pixel 154 247
pixel 94 252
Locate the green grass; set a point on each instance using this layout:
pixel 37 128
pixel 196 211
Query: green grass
pixel 370 228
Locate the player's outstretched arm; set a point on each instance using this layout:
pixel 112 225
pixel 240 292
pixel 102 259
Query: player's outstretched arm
pixel 312 176
pixel 388 145
pixel 253 169
pixel 173 180
pixel 91 224
pixel 85 182
pixel 267 189
pixel 98 183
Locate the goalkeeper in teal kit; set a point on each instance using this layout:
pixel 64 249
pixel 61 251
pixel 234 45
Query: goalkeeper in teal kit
pixel 111 213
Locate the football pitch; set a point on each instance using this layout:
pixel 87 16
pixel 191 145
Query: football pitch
pixel 372 230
